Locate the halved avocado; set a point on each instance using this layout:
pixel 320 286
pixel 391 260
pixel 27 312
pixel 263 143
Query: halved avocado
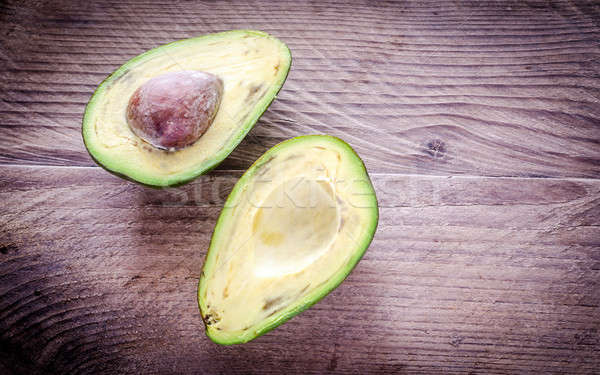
pixel 292 229
pixel 252 65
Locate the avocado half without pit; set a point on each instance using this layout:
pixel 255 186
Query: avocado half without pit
pixel 175 112
pixel 293 227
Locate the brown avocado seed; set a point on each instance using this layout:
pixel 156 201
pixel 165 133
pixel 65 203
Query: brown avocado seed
pixel 173 110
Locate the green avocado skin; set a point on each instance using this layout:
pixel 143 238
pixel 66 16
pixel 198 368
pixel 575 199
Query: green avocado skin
pixel 218 157
pixel 336 279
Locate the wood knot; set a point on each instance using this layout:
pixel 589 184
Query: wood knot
pixel 9 249
pixel 456 341
pixel 436 149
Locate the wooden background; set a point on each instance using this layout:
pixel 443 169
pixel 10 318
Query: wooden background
pixel 478 121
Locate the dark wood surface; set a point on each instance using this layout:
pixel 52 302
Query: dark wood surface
pixel 478 121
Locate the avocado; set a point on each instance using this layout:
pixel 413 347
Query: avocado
pixel 292 229
pixel 175 112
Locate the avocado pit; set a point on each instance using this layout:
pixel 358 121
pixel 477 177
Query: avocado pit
pixel 171 111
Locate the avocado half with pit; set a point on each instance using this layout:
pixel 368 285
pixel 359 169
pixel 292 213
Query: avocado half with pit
pixel 176 111
pixel 292 229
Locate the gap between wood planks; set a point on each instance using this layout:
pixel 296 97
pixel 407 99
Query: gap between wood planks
pixel 240 171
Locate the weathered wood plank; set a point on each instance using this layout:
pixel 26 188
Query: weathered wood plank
pixel 490 275
pixel 494 89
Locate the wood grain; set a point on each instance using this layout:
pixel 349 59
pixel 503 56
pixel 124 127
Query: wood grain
pixel 479 123
pixel 501 89
pixel 494 275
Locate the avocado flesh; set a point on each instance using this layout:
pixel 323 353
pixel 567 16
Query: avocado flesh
pixel 293 227
pixel 253 66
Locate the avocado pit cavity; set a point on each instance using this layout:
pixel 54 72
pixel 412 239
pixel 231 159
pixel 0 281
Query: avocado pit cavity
pixel 307 206
pixel 171 111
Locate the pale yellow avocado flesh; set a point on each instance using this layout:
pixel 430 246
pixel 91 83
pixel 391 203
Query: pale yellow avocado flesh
pixel 253 66
pixel 294 226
